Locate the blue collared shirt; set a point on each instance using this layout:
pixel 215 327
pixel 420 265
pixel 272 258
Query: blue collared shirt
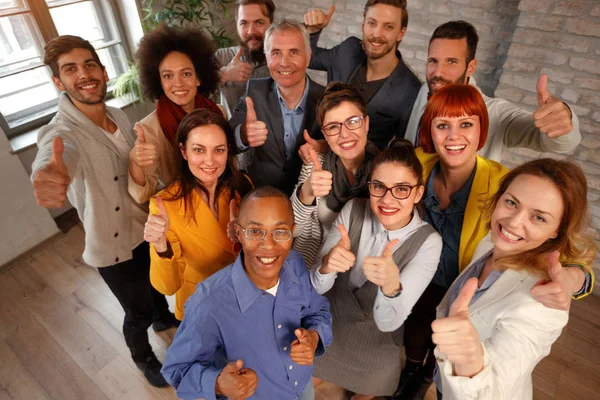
pixel 448 223
pixel 229 318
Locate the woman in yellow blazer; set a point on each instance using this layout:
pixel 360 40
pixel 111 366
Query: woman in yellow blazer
pixel 458 183
pixel 187 225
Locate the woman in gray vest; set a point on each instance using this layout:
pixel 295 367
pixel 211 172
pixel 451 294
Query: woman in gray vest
pixel 374 265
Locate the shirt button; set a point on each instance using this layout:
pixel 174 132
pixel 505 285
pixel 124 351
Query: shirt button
pixel 116 259
pixel 439 359
pixel 279 326
pixel 116 234
pixel 295 383
pixel 291 367
pixel 117 209
pixel 116 178
pixel 285 348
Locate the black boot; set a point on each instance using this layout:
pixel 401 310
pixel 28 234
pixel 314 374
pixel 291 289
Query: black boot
pixel 165 322
pixel 150 366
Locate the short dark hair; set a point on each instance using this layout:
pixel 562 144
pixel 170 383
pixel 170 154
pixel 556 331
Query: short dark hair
pixel 162 41
pixel 457 30
pixel 394 3
pixel 266 5
pixel 63 45
pixel 231 179
pixel 337 93
pixel 401 151
pixel 264 192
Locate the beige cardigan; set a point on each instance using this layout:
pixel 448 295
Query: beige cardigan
pixel 159 174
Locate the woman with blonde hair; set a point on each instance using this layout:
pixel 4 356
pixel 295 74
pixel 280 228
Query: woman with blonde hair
pixel 491 332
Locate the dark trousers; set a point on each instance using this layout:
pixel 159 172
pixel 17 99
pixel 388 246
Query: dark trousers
pixel 417 328
pixel 130 283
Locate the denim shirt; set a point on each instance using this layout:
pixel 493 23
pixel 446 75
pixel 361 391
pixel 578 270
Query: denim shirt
pixel 229 318
pixel 449 224
pixel 292 121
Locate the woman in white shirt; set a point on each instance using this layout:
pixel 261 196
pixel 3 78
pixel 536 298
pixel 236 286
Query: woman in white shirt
pixel 374 265
pixel 333 178
pixel 491 332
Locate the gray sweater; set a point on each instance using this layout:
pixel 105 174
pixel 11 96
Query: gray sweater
pixel 98 188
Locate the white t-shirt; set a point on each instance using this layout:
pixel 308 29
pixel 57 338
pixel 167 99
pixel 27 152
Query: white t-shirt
pixel 273 290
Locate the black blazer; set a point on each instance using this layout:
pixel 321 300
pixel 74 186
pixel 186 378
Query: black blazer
pixel 389 109
pixel 268 165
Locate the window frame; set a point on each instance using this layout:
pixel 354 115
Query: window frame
pixel 42 19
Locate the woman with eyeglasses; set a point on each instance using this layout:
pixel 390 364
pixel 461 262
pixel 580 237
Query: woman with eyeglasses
pixel 375 263
pixel 188 222
pixel 333 178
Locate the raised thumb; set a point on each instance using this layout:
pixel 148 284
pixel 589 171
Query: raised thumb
pixel 330 12
pixel 239 54
pixel 232 210
pixel 299 334
pixel 140 132
pixel 345 240
pixel 309 140
pixel 461 303
pixel 58 148
pixel 388 251
pixel 543 95
pixel 161 208
pixel 250 113
pixel 239 364
pixel 315 160
pixel 555 268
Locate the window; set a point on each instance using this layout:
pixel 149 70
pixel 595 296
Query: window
pixel 27 95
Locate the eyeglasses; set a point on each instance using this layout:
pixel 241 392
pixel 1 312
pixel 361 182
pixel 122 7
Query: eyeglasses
pixel 351 123
pixel 399 192
pixel 278 235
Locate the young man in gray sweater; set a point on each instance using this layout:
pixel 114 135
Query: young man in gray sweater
pixel 83 155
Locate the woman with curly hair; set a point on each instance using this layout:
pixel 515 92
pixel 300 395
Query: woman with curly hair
pixel 177 69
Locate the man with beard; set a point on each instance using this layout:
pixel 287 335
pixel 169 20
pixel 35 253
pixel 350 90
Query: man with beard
pixel 373 65
pixel 83 154
pixel 553 127
pixel 240 63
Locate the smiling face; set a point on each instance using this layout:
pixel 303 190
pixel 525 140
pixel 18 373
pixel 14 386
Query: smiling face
pixel 252 24
pixel 263 259
pixel 348 144
pixel 447 63
pixel 206 153
pixel 382 30
pixel 81 77
pixel 456 139
pixel 390 211
pixel 527 215
pixel 178 79
pixel 288 58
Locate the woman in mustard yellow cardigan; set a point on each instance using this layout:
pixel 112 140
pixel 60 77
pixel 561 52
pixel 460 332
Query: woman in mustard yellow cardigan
pixel 187 225
pixel 458 183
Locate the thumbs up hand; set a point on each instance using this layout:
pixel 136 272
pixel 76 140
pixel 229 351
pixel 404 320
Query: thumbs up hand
pixel 237 70
pixel 315 20
pixel 457 338
pixel 318 146
pixel 339 258
pixel 302 350
pixel 254 132
pixel 51 182
pixel 318 184
pixel 552 117
pixel 383 271
pixel 233 214
pixel 143 153
pixel 557 291
pixel 156 228
pixel 235 382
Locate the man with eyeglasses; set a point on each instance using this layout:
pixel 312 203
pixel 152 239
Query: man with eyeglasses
pixel 253 328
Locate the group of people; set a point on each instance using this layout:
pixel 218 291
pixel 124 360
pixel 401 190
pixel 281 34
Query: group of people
pixel 310 233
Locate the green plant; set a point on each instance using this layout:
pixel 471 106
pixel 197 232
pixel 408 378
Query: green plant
pixel 205 14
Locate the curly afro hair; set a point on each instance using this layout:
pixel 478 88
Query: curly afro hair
pixel 194 43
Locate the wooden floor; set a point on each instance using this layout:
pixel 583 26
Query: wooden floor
pixel 60 338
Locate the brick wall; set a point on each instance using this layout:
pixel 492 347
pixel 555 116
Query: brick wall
pixel 518 41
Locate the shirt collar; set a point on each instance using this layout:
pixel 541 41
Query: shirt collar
pixel 400 234
pixel 246 291
pixel 301 105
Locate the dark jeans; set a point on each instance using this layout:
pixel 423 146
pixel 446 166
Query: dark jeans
pixel 417 328
pixel 130 283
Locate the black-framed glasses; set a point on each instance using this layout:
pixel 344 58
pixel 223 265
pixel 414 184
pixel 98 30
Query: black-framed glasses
pixel 278 235
pixel 352 123
pixel 399 192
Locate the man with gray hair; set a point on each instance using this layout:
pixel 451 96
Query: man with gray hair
pixel 271 117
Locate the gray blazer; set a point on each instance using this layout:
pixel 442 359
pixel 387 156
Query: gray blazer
pixel 267 164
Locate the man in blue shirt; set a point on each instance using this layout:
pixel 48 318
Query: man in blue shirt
pixel 252 330
pixel 273 114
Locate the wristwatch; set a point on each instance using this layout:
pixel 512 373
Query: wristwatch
pixel 394 294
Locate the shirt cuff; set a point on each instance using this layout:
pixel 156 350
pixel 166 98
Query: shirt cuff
pixel 322 282
pixel 208 382
pixel 238 139
pixel 463 387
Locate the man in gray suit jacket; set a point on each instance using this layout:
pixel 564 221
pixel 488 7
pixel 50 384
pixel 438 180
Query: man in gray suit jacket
pixel 270 119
